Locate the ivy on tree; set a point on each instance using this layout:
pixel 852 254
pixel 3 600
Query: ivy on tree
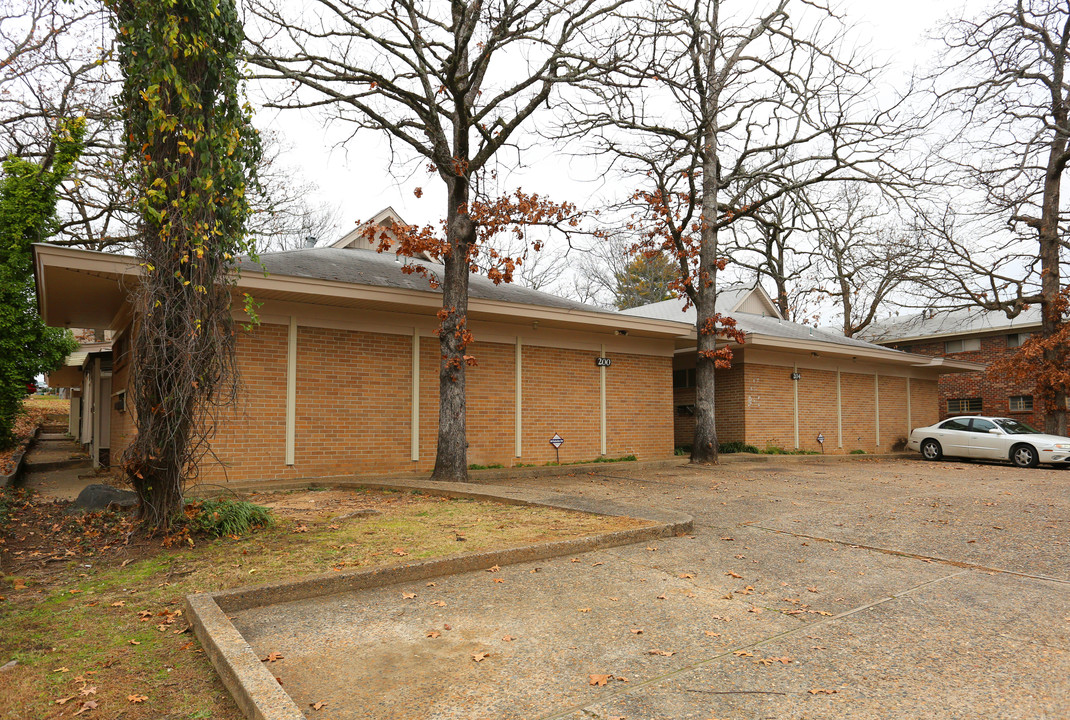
pixel 191 151
pixel 27 215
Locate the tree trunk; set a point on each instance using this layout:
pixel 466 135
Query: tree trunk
pixel 704 446
pixel 1050 281
pixel 451 458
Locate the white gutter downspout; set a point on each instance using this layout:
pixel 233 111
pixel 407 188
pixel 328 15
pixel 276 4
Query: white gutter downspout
pixel 910 423
pixel 839 411
pixel 877 407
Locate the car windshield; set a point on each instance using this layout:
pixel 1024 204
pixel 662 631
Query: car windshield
pixel 1014 427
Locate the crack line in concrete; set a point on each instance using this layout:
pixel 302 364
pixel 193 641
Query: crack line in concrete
pixel 559 715
pixel 913 556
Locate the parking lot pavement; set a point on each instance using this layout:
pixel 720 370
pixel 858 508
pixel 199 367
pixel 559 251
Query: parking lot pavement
pixel 854 590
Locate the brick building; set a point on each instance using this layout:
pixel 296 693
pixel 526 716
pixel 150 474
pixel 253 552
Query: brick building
pixel 341 376
pixel 790 384
pixel 975 336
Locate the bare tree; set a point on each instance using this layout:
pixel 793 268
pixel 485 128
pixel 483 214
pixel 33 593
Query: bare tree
pixel 777 245
pixel 1000 236
pixel 864 255
pixel 450 84
pixel 726 115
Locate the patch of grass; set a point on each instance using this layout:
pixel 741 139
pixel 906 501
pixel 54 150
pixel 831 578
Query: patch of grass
pixel 622 458
pixel 120 629
pixel 857 452
pixel 228 517
pixel 524 465
pixel 492 466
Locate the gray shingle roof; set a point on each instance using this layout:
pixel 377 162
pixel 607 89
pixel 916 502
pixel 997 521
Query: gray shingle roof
pixel 367 267
pixel 747 322
pixel 958 322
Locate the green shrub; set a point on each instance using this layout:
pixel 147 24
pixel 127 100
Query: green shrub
pixel 736 446
pixel 492 466
pixel 858 452
pixel 229 517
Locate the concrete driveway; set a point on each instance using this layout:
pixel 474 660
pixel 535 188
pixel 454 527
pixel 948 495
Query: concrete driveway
pixel 854 589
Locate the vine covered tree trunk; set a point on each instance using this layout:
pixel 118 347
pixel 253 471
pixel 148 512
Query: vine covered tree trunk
pixel 190 149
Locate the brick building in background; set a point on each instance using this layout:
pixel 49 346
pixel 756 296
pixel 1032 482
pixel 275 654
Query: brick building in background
pixel 340 379
pixel 976 336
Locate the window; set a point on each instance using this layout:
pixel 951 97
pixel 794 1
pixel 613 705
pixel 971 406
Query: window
pixel 965 345
pixel 964 405
pixel 955 425
pixel 1020 403
pixel 978 425
pixel 685 410
pixel 683 379
pixel 1017 339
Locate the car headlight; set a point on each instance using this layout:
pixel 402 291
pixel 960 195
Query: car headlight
pixel 1062 446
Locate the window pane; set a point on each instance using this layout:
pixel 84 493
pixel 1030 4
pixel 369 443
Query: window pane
pixel 1021 403
pixel 981 426
pixel 955 425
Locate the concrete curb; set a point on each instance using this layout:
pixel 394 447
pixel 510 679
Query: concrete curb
pixel 252 685
pixel 20 461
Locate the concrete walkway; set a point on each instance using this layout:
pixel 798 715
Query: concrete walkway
pixel 56 466
pixel 860 590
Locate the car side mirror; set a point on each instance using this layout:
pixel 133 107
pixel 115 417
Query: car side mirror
pixel 994 431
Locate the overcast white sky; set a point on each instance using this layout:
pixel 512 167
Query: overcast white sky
pixel 356 177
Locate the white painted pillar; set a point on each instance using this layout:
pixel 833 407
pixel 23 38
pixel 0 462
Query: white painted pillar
pixel 839 410
pixel 414 421
pixel 877 407
pixel 291 390
pixel 795 397
pixel 910 423
pixel 518 400
pixel 602 391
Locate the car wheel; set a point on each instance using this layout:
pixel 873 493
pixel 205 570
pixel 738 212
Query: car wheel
pixel 1024 456
pixel 931 450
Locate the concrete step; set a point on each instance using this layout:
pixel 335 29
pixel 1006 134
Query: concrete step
pixel 52 429
pixel 47 436
pixel 56 456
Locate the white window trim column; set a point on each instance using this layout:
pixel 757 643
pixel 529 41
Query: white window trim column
pixel 795 401
pixel 877 408
pixel 839 410
pixel 602 397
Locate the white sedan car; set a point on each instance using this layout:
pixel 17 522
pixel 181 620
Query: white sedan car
pixel 990 438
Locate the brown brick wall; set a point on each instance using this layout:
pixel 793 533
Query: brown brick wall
pixel 353 411
pixel 769 406
pixel 639 406
pixel 994 393
pixel 859 422
pixel 893 404
pixel 817 409
pixel 728 409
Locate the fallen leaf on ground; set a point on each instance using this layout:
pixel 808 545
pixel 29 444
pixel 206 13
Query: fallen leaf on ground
pixel 430 584
pixel 598 680
pixel 61 670
pixel 508 638
pixel 438 603
pixel 479 656
pixel 742 653
pixel 575 560
pixel 65 700
pixel 408 596
pixel 499 580
pixel 88 691
pixel 710 633
pixel 399 552
pixel 821 691
pixel 318 705
pixel 119 603
pixel 272 657
pixel 663 653
pixel 493 568
pixel 585 610
pixel 686 576
pixel 637 631
pixel 137 698
pixel 660 597
pixel 135 642
pixel 434 634
pixel 737 576
pixel 86 707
